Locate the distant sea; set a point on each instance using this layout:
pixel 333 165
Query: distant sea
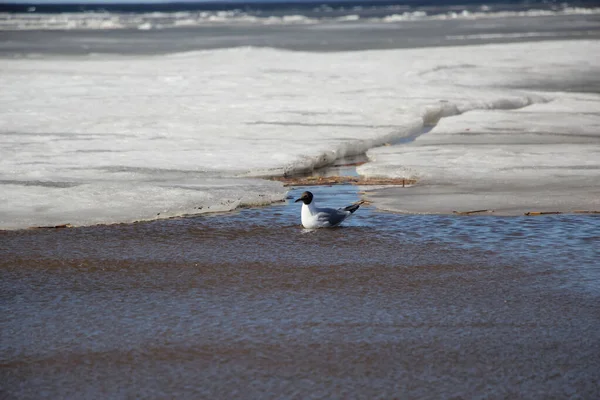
pixel 153 28
pixel 99 15
pixel 309 8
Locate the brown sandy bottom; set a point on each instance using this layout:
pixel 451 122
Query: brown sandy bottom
pixel 249 305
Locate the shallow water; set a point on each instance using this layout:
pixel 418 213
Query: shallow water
pixel 250 305
pixel 325 37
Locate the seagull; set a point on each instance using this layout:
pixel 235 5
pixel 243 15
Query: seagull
pixel 316 217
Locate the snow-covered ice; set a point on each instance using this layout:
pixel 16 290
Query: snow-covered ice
pixel 545 157
pixel 105 139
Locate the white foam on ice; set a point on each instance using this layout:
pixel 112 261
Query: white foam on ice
pixel 112 138
pixel 165 20
pixel 483 14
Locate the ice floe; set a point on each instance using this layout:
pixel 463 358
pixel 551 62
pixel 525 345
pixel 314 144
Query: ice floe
pixel 104 139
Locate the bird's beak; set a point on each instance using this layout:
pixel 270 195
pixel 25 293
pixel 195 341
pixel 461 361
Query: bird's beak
pixel 300 199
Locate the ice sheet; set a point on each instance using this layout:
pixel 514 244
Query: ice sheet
pixel 86 140
pixel 43 203
pixel 545 157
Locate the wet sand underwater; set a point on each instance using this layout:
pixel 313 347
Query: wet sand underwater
pixel 250 305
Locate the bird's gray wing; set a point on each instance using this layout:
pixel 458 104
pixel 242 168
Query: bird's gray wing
pixel 332 216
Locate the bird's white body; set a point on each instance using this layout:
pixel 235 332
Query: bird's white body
pixel 310 217
pixel 313 217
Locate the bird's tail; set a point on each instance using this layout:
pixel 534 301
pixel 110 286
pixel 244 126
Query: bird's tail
pixel 354 206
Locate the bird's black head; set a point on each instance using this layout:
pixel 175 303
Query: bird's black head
pixel 306 198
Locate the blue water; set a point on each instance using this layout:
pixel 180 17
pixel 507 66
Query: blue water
pixel 309 8
pixel 568 241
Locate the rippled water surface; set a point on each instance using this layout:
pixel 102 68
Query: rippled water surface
pixel 250 305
